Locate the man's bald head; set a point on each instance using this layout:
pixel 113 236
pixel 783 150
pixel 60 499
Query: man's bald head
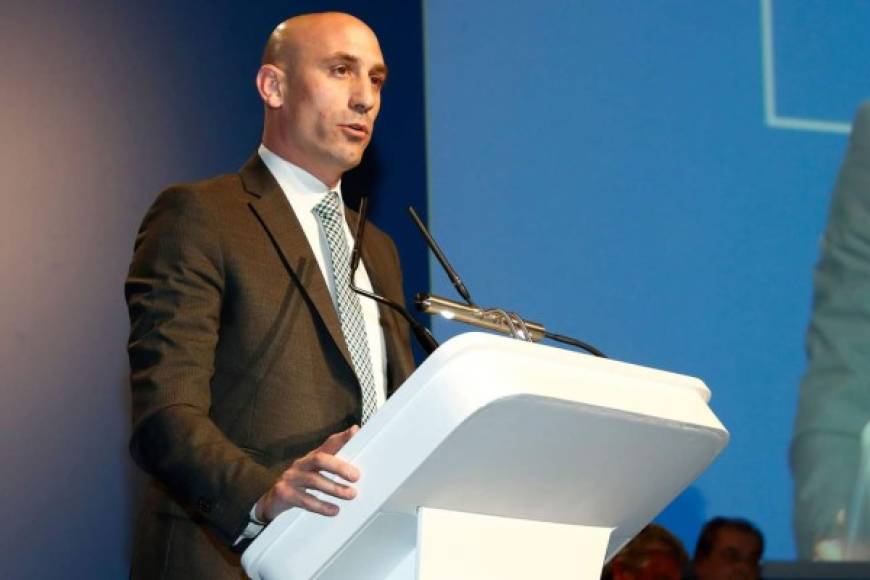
pixel 293 34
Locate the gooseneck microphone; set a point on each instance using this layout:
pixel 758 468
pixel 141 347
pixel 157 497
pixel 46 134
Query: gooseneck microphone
pixel 436 249
pixel 421 333
pixel 496 319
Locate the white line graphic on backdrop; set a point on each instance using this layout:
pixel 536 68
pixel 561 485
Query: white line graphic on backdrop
pixel 768 71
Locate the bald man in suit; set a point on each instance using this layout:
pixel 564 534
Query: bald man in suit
pixel 244 388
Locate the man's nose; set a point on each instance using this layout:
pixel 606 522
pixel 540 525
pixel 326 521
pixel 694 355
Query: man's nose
pixel 362 95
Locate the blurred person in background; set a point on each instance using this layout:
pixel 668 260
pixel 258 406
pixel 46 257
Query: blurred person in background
pixel 834 405
pixel 728 549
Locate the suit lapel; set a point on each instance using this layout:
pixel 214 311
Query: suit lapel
pixel 273 210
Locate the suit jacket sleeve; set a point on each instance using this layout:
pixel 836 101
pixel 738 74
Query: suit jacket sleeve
pixel 835 391
pixel 174 292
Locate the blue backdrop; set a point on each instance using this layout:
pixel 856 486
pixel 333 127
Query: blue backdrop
pixel 652 177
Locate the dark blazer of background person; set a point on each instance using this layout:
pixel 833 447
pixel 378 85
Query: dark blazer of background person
pixel 239 364
pixel 835 391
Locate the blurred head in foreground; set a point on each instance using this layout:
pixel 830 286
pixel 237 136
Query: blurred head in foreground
pixel 654 554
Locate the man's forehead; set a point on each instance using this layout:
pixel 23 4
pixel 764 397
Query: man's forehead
pixel 339 34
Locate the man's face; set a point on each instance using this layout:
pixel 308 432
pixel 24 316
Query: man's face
pixel 735 556
pixel 332 95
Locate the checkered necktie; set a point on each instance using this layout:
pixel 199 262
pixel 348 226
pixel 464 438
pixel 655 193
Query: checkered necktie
pixel 347 301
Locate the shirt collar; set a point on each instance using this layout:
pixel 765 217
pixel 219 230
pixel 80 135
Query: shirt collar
pixel 295 181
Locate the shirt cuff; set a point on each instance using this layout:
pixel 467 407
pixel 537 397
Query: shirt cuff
pixel 253 529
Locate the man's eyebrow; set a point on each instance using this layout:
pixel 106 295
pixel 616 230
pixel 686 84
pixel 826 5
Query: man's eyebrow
pixel 342 57
pixel 346 58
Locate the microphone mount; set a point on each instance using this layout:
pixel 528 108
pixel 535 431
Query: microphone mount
pixel 495 319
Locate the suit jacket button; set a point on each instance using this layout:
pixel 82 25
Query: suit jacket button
pixel 204 505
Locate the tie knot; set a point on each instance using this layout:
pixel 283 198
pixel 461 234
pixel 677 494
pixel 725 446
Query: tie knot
pixel 328 207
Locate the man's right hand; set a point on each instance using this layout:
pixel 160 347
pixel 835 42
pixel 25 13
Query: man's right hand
pixel 291 489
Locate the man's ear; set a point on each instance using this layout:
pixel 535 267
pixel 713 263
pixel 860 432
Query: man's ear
pixel 269 85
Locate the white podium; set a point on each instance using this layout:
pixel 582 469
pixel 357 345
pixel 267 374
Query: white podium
pixel 503 459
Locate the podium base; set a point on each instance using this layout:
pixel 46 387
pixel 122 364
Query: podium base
pixel 465 546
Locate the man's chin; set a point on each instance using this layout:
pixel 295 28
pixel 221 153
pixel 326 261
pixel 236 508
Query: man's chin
pixel 351 161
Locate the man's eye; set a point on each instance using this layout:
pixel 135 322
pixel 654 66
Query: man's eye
pixel 377 81
pixel 340 70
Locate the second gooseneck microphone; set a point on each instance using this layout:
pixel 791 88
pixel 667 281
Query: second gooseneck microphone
pixel 496 319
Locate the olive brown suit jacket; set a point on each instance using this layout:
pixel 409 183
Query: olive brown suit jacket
pixel 238 362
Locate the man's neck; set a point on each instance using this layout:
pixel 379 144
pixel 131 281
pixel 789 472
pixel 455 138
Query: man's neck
pixel 286 171
pixel 328 178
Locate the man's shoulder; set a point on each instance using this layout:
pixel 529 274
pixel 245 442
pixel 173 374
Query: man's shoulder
pixel 214 203
pixel 213 190
pixel 214 195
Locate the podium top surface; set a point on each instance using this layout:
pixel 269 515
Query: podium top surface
pixel 500 366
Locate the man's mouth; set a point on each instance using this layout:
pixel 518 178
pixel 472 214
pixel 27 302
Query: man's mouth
pixel 355 129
